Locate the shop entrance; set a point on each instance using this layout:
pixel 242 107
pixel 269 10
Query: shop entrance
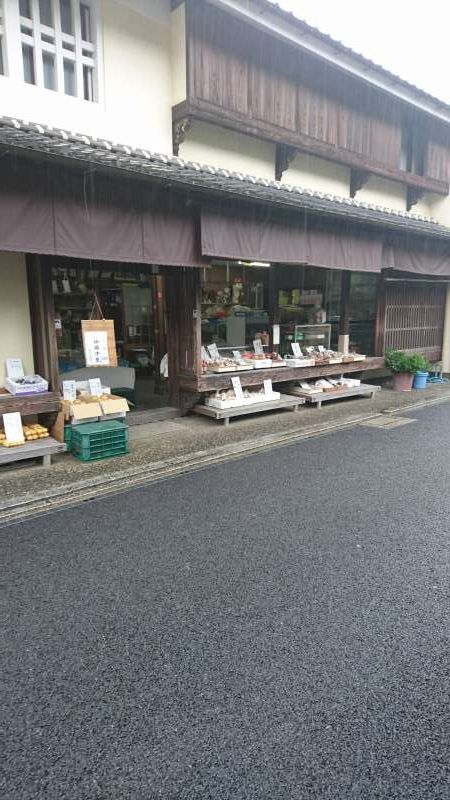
pixel 132 296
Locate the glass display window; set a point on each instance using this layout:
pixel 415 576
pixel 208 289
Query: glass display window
pixel 235 302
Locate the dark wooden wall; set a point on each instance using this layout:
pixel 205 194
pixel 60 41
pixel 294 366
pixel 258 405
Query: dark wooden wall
pixel 411 317
pixel 247 74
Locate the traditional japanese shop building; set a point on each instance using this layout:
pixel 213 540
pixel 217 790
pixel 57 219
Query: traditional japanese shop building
pixel 296 184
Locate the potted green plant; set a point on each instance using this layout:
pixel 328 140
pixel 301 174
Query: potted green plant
pixel 421 368
pixel 401 367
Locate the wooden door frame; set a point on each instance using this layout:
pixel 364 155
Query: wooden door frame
pixel 42 316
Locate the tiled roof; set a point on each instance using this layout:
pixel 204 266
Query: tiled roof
pixel 338 46
pixel 176 172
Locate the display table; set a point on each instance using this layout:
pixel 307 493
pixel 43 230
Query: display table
pixel 29 405
pixel 42 448
pixel 365 390
pixel 225 414
pixel 210 382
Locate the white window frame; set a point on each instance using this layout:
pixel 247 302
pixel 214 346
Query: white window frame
pixel 43 39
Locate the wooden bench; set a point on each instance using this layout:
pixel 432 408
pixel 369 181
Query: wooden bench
pixel 42 448
pixel 365 390
pixel 225 414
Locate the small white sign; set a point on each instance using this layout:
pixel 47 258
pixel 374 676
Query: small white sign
pixel 95 387
pixel 213 351
pixel 237 386
pixel 320 348
pixel 237 355
pixel 276 334
pixel 268 389
pixel 96 348
pixel 69 391
pixel 12 424
pixel 296 349
pixel 258 347
pixel 205 355
pixel 14 368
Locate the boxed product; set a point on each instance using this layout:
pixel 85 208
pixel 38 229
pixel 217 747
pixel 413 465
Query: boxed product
pixel 18 383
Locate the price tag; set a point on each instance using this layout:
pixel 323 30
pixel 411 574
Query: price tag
pixel 276 334
pixel 268 389
pixel 213 351
pixel 296 349
pixel 237 355
pixel 258 347
pixel 320 348
pixel 14 368
pixel 12 424
pixel 237 386
pixel 69 391
pixel 205 354
pixel 95 387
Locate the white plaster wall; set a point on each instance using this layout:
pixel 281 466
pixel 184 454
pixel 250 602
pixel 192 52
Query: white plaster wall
pixel 219 147
pixel 178 54
pixel 318 174
pixel 15 327
pixel 135 81
pixel 383 192
pixel 440 209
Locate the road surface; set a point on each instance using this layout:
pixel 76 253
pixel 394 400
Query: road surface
pixel 274 627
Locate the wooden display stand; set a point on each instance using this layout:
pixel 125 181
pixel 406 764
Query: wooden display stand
pixel 44 449
pixel 364 390
pixel 225 414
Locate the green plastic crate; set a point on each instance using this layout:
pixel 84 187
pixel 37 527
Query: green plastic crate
pixel 68 437
pixel 97 440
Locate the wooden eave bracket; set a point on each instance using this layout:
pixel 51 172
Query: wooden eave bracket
pixel 180 131
pixel 413 195
pixel 283 158
pixel 358 178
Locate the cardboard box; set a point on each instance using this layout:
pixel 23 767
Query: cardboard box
pixel 114 405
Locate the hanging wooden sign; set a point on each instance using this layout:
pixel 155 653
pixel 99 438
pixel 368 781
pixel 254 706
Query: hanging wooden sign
pixel 99 342
pixel 99 339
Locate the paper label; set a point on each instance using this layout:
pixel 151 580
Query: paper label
pixel 237 386
pixel 95 387
pixel 296 349
pixel 213 351
pixel 14 368
pixel 237 355
pixel 320 348
pixel 205 354
pixel 12 424
pixel 258 347
pixel 268 387
pixel 69 391
pixel 276 334
pixel 96 348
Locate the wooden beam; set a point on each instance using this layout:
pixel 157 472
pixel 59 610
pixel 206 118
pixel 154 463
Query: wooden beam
pixel 344 318
pixel 380 320
pixel 42 314
pixel 413 195
pixel 215 115
pixel 358 178
pixel 180 131
pixel 283 158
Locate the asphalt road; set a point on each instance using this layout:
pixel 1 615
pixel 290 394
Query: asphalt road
pixel 275 627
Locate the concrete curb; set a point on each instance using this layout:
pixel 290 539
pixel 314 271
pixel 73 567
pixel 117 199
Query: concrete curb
pixel 82 491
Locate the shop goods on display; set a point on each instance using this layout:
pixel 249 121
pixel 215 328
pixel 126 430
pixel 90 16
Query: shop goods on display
pixel 227 398
pixel 328 385
pixel 30 434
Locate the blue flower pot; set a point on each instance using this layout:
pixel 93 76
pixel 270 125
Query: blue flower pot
pixel 420 380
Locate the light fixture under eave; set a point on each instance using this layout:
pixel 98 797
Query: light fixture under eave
pixel 260 264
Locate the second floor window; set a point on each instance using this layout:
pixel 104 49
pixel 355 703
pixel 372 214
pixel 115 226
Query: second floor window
pixel 57 41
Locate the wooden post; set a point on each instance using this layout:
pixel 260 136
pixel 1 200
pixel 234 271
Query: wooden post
pixel 274 312
pixel 344 321
pixel 380 317
pixel 183 332
pixel 158 323
pixel 42 313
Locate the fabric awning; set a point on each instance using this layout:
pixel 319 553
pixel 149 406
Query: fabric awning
pixel 421 256
pixel 55 211
pixel 259 235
